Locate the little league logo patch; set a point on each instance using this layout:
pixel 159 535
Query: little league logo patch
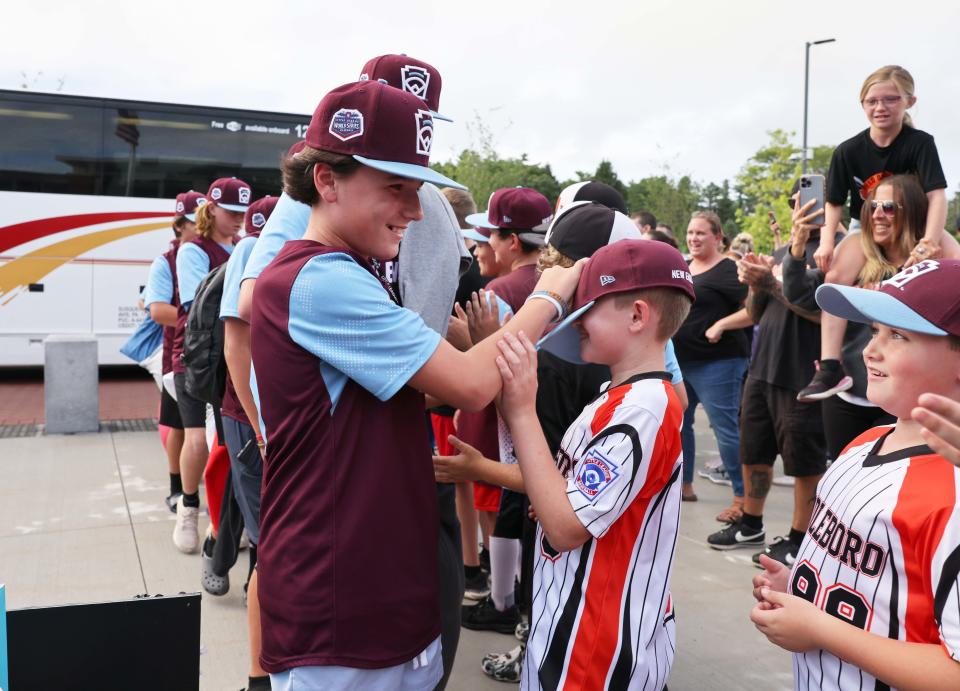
pixel 595 474
pixel 180 207
pixel 416 80
pixel 258 220
pixel 346 123
pixel 216 193
pixel 201 201
pixel 424 132
pixel 244 193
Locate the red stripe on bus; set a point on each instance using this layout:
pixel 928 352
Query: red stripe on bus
pixel 19 233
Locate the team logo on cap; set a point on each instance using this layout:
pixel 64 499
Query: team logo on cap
pixel 201 201
pixel 606 279
pixel 244 194
pixel 424 132
pixel 364 77
pixel 258 220
pixel 911 273
pixel 180 207
pixel 216 193
pixel 596 473
pixel 346 123
pixel 414 79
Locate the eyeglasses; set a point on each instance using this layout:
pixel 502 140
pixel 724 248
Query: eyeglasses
pixel 889 207
pixel 886 100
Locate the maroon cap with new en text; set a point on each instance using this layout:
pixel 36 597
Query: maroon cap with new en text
pixel 380 126
pixel 232 194
pixel 257 215
pixel 408 74
pixel 632 265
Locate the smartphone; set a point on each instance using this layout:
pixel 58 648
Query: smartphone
pixel 811 187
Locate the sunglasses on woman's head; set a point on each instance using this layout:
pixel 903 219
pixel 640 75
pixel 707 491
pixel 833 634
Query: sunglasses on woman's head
pixel 889 207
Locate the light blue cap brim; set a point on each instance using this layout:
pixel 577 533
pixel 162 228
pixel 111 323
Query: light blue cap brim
pixel 191 217
pixel 481 221
pixel 239 208
pixel 409 170
pixel 438 116
pixel 564 340
pixel 474 235
pixel 868 306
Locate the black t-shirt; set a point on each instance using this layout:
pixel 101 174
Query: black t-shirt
pixel 719 293
pixel 563 391
pixel 786 343
pixel 470 281
pixel 858 165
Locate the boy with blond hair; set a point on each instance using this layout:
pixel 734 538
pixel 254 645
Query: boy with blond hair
pixel 609 505
pixel 872 600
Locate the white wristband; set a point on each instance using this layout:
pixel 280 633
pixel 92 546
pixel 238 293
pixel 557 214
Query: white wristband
pixel 540 295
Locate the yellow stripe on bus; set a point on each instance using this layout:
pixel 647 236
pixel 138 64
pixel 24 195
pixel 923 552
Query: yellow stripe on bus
pixel 32 267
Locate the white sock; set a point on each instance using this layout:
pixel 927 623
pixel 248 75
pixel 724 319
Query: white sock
pixel 504 569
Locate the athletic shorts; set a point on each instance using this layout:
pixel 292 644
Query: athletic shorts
pixel 169 411
pixel 510 517
pixel 246 472
pixel 773 421
pixel 193 412
pixel 486 497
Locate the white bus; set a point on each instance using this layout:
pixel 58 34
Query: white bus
pixel 86 201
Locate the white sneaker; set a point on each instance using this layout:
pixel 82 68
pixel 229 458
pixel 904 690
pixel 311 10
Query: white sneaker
pixel 185 536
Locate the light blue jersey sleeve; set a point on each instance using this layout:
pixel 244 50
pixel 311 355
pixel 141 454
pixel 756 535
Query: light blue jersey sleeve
pixel 673 367
pixel 159 286
pixel 229 302
pixel 192 266
pixel 503 309
pixel 287 222
pixel 340 312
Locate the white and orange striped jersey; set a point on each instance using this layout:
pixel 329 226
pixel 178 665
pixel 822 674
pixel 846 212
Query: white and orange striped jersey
pixel 602 616
pixel 882 552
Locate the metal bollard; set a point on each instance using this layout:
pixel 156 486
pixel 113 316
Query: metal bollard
pixel 70 384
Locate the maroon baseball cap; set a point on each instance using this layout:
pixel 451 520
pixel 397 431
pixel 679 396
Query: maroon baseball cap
pixel 620 267
pixel 519 209
pixel 407 74
pixel 188 203
pixel 381 127
pixel 232 194
pixel 919 299
pixel 296 148
pixel 257 215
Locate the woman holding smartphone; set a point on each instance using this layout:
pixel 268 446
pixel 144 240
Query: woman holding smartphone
pixel 890 146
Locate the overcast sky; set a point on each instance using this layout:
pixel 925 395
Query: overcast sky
pixel 675 87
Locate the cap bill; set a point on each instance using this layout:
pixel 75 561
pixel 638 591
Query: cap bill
pixel 867 306
pixel 191 217
pixel 409 170
pixel 564 340
pixel 233 207
pixel 481 220
pixel 438 116
pixel 471 234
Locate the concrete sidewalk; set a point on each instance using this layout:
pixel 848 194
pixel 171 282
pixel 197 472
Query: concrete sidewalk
pixel 82 519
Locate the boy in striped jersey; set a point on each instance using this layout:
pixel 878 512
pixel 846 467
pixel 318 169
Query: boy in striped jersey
pixel 609 505
pixel 882 551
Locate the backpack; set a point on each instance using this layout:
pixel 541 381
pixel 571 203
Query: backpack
pixel 206 375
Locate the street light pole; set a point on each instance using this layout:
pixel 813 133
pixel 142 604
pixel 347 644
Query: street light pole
pixel 806 91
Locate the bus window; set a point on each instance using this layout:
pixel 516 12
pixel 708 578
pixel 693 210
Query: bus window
pixel 49 147
pixel 264 144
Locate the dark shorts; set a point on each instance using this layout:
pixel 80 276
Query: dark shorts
pixel 246 473
pixel 773 421
pixel 510 517
pixel 169 412
pixel 193 412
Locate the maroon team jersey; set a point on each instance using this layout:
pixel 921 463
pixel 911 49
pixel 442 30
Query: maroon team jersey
pixel 217 256
pixel 347 558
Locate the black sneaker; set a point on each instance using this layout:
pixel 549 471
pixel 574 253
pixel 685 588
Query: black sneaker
pixel 171 501
pixel 485 559
pixel 486 617
pixel 476 588
pixel 781 550
pixel 825 383
pixel 736 535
